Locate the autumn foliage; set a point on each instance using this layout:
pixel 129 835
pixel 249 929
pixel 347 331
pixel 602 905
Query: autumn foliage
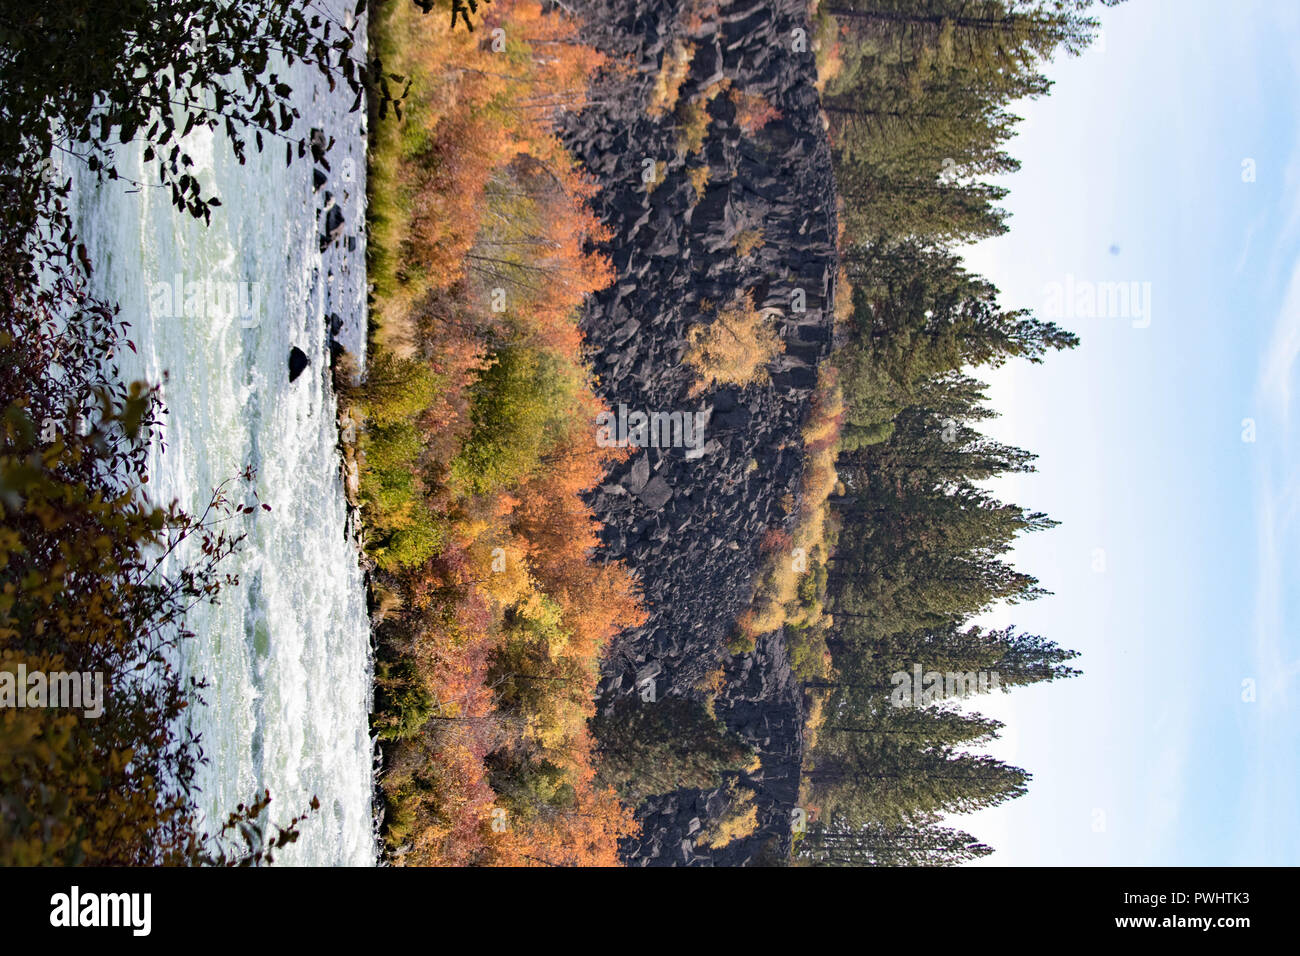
pixel 479 443
pixel 734 347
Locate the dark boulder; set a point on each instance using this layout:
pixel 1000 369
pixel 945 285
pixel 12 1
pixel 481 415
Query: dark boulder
pixel 638 474
pixel 655 494
pixel 319 146
pixel 334 224
pixel 297 362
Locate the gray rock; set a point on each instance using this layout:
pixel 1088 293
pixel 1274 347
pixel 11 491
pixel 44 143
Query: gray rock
pixel 638 476
pixel 649 672
pixel 625 331
pixel 692 535
pixel 656 493
pixel 334 224
pixel 710 447
pixel 319 145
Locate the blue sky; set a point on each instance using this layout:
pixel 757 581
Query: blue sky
pixel 1172 569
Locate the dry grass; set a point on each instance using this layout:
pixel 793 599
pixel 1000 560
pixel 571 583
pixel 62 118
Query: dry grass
pixel 657 180
pixel 693 118
pixel 749 240
pixel 735 348
pixel 843 298
pixel 740 821
pixel 699 179
pixel 668 82
pixel 692 127
pixel 791 556
pixel 825 46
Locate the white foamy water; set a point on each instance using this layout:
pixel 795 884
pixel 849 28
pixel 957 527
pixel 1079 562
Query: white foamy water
pixel 286 653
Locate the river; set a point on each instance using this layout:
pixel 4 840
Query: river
pixel 286 652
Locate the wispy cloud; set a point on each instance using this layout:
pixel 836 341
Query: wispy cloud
pixel 1273 388
pixel 1269 729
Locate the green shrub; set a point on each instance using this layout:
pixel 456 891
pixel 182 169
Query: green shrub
pixel 416 543
pixel 519 402
pixel 397 389
pixel 531 787
pixel 402 703
pixel 657 747
pixel 391 448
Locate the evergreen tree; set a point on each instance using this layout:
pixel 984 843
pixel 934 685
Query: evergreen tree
pixel 873 844
pixel 665 745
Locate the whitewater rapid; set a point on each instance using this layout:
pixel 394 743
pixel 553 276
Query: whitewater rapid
pixel 286 652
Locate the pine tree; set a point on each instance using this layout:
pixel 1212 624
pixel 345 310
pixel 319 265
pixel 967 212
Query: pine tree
pixel 873 844
pixel 665 745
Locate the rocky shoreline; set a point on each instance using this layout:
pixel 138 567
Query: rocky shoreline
pixel 339 186
pixel 690 524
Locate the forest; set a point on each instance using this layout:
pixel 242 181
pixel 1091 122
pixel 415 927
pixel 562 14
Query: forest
pixel 918 95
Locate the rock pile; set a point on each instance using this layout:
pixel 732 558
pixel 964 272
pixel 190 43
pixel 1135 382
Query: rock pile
pixel 689 522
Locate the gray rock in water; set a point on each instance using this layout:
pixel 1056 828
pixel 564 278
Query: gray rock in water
pixel 333 226
pixel 319 146
pixel 334 221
